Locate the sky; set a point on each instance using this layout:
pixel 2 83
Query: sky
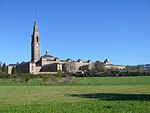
pixel 87 29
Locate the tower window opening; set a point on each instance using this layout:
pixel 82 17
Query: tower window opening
pixel 37 39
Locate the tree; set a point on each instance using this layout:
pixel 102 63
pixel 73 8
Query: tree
pixel 4 68
pixel 0 66
pixel 14 70
pixel 59 73
pixel 98 66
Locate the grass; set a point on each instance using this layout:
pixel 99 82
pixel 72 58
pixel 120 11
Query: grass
pixel 142 80
pixel 84 95
pixel 137 80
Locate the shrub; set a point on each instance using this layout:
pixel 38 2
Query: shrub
pixel 4 75
pixel 25 77
pixel 111 73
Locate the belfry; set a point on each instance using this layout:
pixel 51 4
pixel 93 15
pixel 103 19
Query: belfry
pixel 35 44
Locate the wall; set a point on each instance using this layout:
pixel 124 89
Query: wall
pixel 114 66
pixel 50 68
pixel 9 68
pixel 24 67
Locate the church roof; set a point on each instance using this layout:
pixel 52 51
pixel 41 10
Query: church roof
pixel 45 56
pixel 12 64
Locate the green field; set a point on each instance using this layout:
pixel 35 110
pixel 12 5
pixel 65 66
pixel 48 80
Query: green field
pixel 84 95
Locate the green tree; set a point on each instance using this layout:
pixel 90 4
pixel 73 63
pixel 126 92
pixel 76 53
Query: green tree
pixel 59 73
pixel 0 66
pixel 14 70
pixel 4 68
pixel 18 71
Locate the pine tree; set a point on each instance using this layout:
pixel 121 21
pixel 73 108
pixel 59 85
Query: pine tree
pixel 4 68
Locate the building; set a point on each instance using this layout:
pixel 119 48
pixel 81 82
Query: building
pixel 106 61
pixel 48 64
pixel 112 66
pixel 45 64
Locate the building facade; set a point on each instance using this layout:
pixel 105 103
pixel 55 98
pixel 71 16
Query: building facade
pixel 48 64
pixel 45 64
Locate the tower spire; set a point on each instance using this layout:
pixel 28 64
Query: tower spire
pixel 35 27
pixel 35 45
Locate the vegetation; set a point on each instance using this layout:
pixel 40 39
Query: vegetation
pixel 26 77
pixel 15 70
pixel 3 71
pixel 60 73
pixel 0 66
pixel 111 73
pixel 99 70
pixel 83 95
pixel 78 81
pixel 4 68
pixel 61 93
pixel 98 67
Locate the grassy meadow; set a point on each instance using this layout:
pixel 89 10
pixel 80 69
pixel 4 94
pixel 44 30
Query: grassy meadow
pixel 83 95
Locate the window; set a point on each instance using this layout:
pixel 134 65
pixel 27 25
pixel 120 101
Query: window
pixel 37 39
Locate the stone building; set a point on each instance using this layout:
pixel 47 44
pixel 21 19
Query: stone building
pixel 112 66
pixel 48 64
pixel 45 64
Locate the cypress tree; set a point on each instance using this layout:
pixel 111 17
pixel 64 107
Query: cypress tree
pixel 0 66
pixel 4 68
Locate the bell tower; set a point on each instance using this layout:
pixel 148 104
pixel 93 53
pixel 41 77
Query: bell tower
pixel 35 44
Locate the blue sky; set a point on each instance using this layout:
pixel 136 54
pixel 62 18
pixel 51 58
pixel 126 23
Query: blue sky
pixel 85 29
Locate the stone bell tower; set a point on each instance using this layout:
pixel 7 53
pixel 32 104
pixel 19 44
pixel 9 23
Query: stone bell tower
pixel 35 44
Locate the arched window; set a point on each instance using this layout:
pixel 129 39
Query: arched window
pixel 37 39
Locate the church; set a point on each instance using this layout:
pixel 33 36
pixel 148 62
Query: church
pixel 45 64
pixel 48 64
